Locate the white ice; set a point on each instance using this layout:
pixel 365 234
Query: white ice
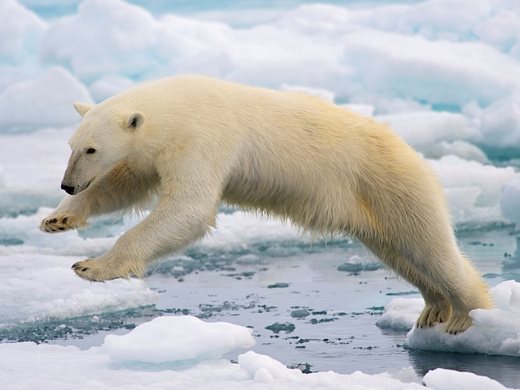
pixel 44 101
pixel 473 189
pixel 184 352
pixel 419 52
pixel 39 287
pixel 494 331
pixel 181 338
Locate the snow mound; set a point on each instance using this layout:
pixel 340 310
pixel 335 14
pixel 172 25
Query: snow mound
pixel 494 332
pixel 21 32
pixel 42 101
pixel 263 369
pixel 401 313
pixel 104 38
pixel 460 67
pixel 442 379
pixel 177 338
pixel 426 130
pixel 168 338
pixel 473 189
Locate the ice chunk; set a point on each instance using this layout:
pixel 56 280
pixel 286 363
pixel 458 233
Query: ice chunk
pixel 494 332
pixel 108 86
pixel 103 38
pixel 495 22
pixel 442 379
pixel 401 313
pixel 501 29
pixel 40 287
pixel 462 149
pixel 501 123
pixel 433 19
pixel 397 65
pixel 510 201
pixel 177 338
pixel 241 227
pixel 473 189
pixel 358 264
pixel 264 369
pixel 424 129
pixel 21 32
pixel 45 101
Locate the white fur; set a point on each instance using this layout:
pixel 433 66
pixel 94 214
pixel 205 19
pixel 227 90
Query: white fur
pixel 199 141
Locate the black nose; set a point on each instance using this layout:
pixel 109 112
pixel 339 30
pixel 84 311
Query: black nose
pixel 67 189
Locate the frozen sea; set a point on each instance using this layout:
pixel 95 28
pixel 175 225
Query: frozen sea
pixel 256 303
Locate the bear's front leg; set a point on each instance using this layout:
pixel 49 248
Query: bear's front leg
pixel 179 219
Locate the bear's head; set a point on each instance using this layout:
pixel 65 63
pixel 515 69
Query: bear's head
pixel 104 138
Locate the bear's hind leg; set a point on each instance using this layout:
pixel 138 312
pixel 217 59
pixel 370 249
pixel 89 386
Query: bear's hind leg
pixel 458 282
pixel 437 307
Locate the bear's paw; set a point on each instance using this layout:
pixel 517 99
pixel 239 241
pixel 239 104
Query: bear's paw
pixel 458 323
pixel 102 269
pixel 56 223
pixel 434 314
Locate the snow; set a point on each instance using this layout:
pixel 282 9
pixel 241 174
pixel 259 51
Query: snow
pixel 181 338
pixel 500 122
pixel 433 56
pixel 432 133
pixel 183 352
pixel 473 189
pixel 44 101
pixel 494 331
pixel 401 313
pixel 21 32
pixel 442 379
pixel 48 289
pixel 126 32
pixel 106 87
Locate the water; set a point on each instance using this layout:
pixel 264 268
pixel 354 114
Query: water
pixel 328 315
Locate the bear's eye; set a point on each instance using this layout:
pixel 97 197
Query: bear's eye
pixel 91 150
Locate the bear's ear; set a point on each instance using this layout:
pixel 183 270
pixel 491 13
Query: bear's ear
pixel 134 121
pixel 82 108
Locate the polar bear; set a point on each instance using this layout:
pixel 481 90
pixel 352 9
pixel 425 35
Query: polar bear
pixel 194 142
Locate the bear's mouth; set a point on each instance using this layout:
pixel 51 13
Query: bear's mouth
pixel 84 186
